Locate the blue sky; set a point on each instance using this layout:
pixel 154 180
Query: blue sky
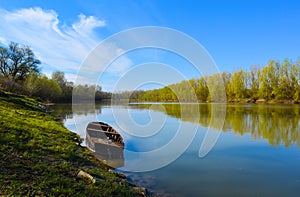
pixel 237 34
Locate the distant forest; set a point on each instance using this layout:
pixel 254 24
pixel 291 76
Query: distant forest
pixel 19 73
pixel 275 82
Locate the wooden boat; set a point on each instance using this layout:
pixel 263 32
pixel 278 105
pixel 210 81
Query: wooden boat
pixel 106 143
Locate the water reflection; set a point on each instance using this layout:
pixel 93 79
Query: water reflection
pixel 237 166
pixel 279 124
pixel 67 111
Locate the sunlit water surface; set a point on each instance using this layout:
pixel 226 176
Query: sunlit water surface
pixel 257 153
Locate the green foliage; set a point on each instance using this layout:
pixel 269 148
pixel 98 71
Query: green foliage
pixel 41 86
pixel 238 84
pixel 295 80
pixel 90 92
pixel 66 87
pixel 19 73
pixel 202 90
pixel 268 80
pixel 216 88
pixel 254 76
pixel 274 82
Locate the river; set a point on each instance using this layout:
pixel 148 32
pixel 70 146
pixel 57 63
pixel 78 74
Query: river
pixel 255 149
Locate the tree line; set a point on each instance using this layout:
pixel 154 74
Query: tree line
pixel 19 73
pixel 275 82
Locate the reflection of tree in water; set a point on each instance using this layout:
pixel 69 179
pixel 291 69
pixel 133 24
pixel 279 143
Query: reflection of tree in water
pixel 66 110
pixel 276 123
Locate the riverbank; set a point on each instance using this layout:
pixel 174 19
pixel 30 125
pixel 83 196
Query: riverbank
pixel 264 101
pixel 242 101
pixel 39 156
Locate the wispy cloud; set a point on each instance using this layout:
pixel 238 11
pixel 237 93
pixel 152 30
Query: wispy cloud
pixel 58 45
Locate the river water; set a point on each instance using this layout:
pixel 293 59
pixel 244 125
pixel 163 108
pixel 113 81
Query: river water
pixel 254 150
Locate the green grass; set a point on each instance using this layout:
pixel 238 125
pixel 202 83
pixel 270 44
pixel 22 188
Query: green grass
pixel 39 157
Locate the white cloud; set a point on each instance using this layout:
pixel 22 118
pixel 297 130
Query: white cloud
pixel 87 24
pixel 42 19
pixel 58 45
pixel 62 47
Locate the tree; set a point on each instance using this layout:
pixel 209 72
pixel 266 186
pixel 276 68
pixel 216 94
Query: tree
pixel 254 82
pixel 226 77
pixel 40 86
pixel 17 61
pixel 59 78
pixel 49 89
pixel 268 81
pixel 239 84
pixel 274 81
pixel 285 89
pixel 295 79
pixel 202 90
pixel 31 84
pixel 217 90
pixel 66 87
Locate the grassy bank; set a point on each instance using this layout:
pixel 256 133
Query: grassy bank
pixel 38 156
